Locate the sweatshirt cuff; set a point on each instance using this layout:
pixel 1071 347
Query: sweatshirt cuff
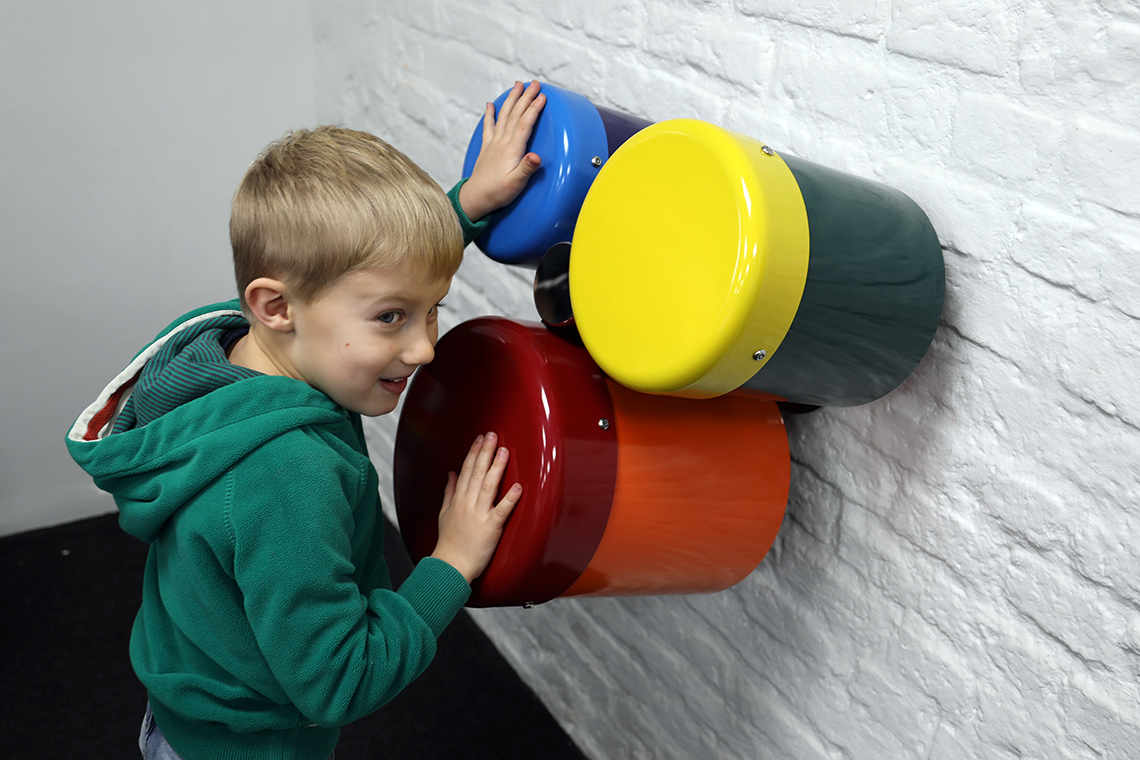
pixel 471 230
pixel 436 591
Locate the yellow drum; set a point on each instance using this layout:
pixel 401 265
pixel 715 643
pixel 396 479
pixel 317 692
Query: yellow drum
pixel 703 262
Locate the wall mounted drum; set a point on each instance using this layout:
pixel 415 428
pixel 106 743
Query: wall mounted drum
pixel 575 138
pixel 703 262
pixel 624 493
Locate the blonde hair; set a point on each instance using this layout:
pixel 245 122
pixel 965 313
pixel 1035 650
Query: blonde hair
pixel 319 204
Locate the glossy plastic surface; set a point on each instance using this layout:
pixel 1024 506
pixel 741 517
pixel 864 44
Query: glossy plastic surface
pixel 552 293
pixel 568 135
pixel 689 258
pixel 873 297
pixel 701 491
pixel 619 126
pixel 544 397
pixel 552 287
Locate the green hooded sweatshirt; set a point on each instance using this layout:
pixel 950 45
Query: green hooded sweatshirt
pixel 268 619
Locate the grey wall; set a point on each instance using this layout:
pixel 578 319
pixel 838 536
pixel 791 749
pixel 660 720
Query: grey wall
pixel 124 127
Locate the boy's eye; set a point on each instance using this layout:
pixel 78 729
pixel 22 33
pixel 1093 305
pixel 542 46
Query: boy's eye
pixel 389 317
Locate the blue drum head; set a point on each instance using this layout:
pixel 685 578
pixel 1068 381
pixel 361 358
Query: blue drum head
pixel 570 138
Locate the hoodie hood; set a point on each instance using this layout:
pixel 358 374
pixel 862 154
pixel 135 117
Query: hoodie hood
pixel 194 418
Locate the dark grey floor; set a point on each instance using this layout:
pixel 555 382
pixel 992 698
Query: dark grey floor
pixel 68 596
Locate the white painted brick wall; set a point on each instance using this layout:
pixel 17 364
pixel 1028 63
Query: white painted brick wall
pixel 958 575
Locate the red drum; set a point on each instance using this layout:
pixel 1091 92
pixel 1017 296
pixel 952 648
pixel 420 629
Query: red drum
pixel 624 493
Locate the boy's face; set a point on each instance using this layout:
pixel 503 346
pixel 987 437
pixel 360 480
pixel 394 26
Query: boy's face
pixel 360 340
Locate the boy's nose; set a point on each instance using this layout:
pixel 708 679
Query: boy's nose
pixel 419 350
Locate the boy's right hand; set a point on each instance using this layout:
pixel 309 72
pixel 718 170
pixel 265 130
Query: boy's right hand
pixel 504 165
pixel 470 523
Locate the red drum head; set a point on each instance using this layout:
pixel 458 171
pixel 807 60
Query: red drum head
pixel 547 400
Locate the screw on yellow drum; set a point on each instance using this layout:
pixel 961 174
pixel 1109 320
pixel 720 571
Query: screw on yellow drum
pixel 689 260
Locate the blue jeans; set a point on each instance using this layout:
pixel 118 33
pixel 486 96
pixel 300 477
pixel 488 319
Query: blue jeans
pixel 153 744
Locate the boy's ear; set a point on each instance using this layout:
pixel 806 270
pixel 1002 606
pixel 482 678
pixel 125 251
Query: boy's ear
pixel 268 303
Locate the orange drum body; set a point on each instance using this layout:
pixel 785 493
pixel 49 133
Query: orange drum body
pixel 624 493
pixel 699 496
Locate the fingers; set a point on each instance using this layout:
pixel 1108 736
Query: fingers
pixel 520 109
pixel 468 465
pixel 526 101
pixel 475 465
pixel 488 123
pixel 493 475
pixel 482 470
pixel 509 500
pixel 526 110
pixel 530 164
pixel 517 100
pixel 533 108
pixel 513 96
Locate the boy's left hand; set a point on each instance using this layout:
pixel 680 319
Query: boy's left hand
pixel 504 167
pixel 470 522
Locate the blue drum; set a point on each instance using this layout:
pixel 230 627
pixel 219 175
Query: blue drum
pixel 575 138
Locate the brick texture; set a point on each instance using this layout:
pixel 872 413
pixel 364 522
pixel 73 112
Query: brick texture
pixel 958 575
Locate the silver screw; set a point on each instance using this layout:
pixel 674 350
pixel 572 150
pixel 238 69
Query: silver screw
pixel 768 151
pixel 528 606
pixel 596 160
pixel 759 355
pixel 604 424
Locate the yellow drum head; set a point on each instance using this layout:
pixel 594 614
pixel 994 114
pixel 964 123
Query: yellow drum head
pixel 688 260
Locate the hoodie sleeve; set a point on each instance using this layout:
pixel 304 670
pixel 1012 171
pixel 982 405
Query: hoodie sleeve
pixel 299 509
pixel 471 230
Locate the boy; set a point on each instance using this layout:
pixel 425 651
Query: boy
pixel 233 445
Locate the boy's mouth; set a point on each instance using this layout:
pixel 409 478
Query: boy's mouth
pixel 394 384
